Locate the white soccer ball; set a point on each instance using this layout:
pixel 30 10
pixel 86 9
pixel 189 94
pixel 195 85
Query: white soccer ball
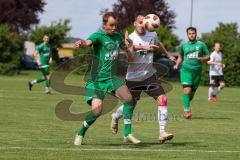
pixel 151 22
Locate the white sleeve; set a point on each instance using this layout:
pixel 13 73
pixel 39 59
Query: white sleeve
pixel 131 36
pixel 212 57
pixel 156 40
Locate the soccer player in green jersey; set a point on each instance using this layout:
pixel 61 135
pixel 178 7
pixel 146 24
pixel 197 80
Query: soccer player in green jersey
pixel 103 77
pixel 43 57
pixel 192 54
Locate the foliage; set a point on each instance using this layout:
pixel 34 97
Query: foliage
pixel 229 37
pixel 20 14
pixel 10 49
pixel 127 10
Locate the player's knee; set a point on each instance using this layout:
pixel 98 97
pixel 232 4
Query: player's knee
pixel 97 107
pixel 128 98
pixel 162 100
pixel 97 112
pixel 187 90
pixel 222 85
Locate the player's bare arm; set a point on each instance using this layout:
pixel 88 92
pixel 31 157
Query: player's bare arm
pixel 178 62
pixel 201 59
pixel 165 52
pixel 83 43
pixel 216 63
pixel 129 47
pixel 36 57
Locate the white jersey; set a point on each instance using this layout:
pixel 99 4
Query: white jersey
pixel 142 66
pixel 215 70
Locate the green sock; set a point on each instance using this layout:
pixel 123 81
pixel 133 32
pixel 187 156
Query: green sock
pixel 47 83
pixel 89 120
pixel 186 102
pixel 127 115
pixel 40 79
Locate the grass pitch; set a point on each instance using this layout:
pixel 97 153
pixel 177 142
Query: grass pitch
pixel 29 128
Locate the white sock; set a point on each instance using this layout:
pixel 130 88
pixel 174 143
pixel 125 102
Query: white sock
pixel 33 81
pixel 219 89
pixel 119 112
pixel 47 89
pixel 215 91
pixel 210 92
pixel 162 118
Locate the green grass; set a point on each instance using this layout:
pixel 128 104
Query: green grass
pixel 29 128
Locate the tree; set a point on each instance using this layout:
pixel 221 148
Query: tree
pixel 126 11
pixel 10 48
pixel 229 37
pixel 58 33
pixel 20 14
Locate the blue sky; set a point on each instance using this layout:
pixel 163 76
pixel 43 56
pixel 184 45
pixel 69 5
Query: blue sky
pixel 85 18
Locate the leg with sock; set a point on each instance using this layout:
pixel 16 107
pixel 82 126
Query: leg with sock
pixel 115 117
pixel 163 118
pixel 186 102
pixel 127 115
pixel 89 120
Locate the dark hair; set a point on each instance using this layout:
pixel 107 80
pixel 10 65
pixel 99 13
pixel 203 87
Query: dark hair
pixel 47 34
pixel 138 14
pixel 191 28
pixel 107 15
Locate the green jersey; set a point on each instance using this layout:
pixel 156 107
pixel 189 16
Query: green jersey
pixel 44 53
pixel 190 53
pixel 105 48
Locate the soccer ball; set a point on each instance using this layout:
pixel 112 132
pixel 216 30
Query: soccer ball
pixel 151 22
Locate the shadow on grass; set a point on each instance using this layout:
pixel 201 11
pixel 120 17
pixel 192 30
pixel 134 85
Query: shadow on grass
pixel 212 118
pixel 150 144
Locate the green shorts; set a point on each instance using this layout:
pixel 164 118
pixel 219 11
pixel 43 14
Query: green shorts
pixel 45 71
pixel 98 89
pixel 190 78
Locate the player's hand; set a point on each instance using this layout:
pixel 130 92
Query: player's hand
pixel 78 44
pixel 223 65
pixel 39 63
pixel 50 61
pixel 128 41
pixel 150 47
pixel 175 67
pixel 201 59
pixel 172 58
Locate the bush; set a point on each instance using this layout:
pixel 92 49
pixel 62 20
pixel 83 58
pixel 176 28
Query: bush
pixel 229 37
pixel 11 46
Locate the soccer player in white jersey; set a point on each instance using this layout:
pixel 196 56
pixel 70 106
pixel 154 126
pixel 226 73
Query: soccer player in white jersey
pixel 141 76
pixel 215 73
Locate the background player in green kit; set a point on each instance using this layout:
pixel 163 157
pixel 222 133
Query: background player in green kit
pixel 102 79
pixel 43 57
pixel 192 53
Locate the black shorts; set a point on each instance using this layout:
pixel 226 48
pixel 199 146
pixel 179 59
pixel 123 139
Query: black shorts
pixel 216 80
pixel 151 86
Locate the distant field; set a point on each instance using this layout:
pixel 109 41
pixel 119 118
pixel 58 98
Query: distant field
pixel 29 128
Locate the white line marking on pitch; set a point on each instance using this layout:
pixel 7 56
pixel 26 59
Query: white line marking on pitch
pixel 118 149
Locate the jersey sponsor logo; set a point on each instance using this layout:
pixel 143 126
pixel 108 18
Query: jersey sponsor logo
pixel 111 49
pixel 192 55
pixel 46 54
